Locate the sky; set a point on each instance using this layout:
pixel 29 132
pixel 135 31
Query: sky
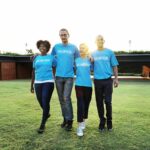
pixel 119 21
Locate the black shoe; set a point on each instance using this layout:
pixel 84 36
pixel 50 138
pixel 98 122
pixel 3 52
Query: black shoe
pixel 64 123
pixel 69 125
pixel 41 129
pixel 102 125
pixel 109 125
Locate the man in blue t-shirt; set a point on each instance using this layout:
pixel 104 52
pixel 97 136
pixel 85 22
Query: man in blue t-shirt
pixel 105 65
pixel 65 54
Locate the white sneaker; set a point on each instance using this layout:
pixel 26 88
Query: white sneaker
pixel 82 125
pixel 79 131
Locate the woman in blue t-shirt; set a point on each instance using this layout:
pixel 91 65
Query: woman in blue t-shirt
pixel 83 87
pixel 43 80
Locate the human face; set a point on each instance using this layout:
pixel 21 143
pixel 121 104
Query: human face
pixel 43 49
pixel 64 36
pixel 83 50
pixel 100 42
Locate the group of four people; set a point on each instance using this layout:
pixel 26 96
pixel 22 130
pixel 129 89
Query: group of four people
pixel 67 59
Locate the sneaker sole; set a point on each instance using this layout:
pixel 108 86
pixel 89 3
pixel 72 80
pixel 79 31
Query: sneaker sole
pixel 79 134
pixel 110 130
pixel 101 130
pixel 40 131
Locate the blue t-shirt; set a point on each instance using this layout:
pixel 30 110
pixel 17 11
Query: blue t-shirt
pixel 43 68
pixel 83 71
pixel 104 61
pixel 65 57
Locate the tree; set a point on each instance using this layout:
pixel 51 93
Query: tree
pixel 29 51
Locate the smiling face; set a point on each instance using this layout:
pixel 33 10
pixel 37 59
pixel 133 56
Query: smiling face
pixel 83 48
pixel 100 42
pixel 64 36
pixel 43 49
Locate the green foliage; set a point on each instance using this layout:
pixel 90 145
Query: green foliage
pixel 132 52
pixel 128 74
pixel 29 51
pixel 10 54
pixel 20 116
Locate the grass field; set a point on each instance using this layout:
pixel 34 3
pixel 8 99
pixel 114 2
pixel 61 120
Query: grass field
pixel 20 117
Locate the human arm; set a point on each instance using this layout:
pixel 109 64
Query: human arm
pixel 90 58
pixel 114 64
pixel 116 82
pixel 76 54
pixel 53 51
pixel 32 81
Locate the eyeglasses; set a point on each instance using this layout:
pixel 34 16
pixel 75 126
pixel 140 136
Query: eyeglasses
pixel 65 35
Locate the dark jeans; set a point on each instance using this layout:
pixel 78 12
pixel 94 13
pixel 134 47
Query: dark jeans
pixel 103 92
pixel 64 89
pixel 83 95
pixel 43 93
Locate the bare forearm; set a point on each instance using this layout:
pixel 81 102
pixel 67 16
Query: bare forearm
pixel 32 79
pixel 116 83
pixel 115 70
pixel 54 71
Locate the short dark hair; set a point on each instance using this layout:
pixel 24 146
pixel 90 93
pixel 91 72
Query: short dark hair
pixel 46 43
pixel 64 29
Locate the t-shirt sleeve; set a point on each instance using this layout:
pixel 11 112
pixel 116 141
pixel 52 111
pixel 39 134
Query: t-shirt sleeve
pixel 33 65
pixel 113 60
pixel 53 51
pixel 33 62
pixel 76 55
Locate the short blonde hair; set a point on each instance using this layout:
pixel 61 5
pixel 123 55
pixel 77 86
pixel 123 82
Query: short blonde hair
pixel 99 36
pixel 86 47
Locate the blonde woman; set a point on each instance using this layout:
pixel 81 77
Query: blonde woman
pixel 83 86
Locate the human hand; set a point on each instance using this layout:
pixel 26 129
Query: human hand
pixel 116 83
pixel 90 58
pixel 32 90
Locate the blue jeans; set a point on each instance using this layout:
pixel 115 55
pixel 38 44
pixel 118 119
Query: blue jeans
pixel 43 93
pixel 64 89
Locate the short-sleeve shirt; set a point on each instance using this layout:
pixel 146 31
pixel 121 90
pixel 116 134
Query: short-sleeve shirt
pixel 104 61
pixel 65 57
pixel 43 68
pixel 83 72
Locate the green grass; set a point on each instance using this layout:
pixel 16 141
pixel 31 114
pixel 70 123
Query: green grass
pixel 20 116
